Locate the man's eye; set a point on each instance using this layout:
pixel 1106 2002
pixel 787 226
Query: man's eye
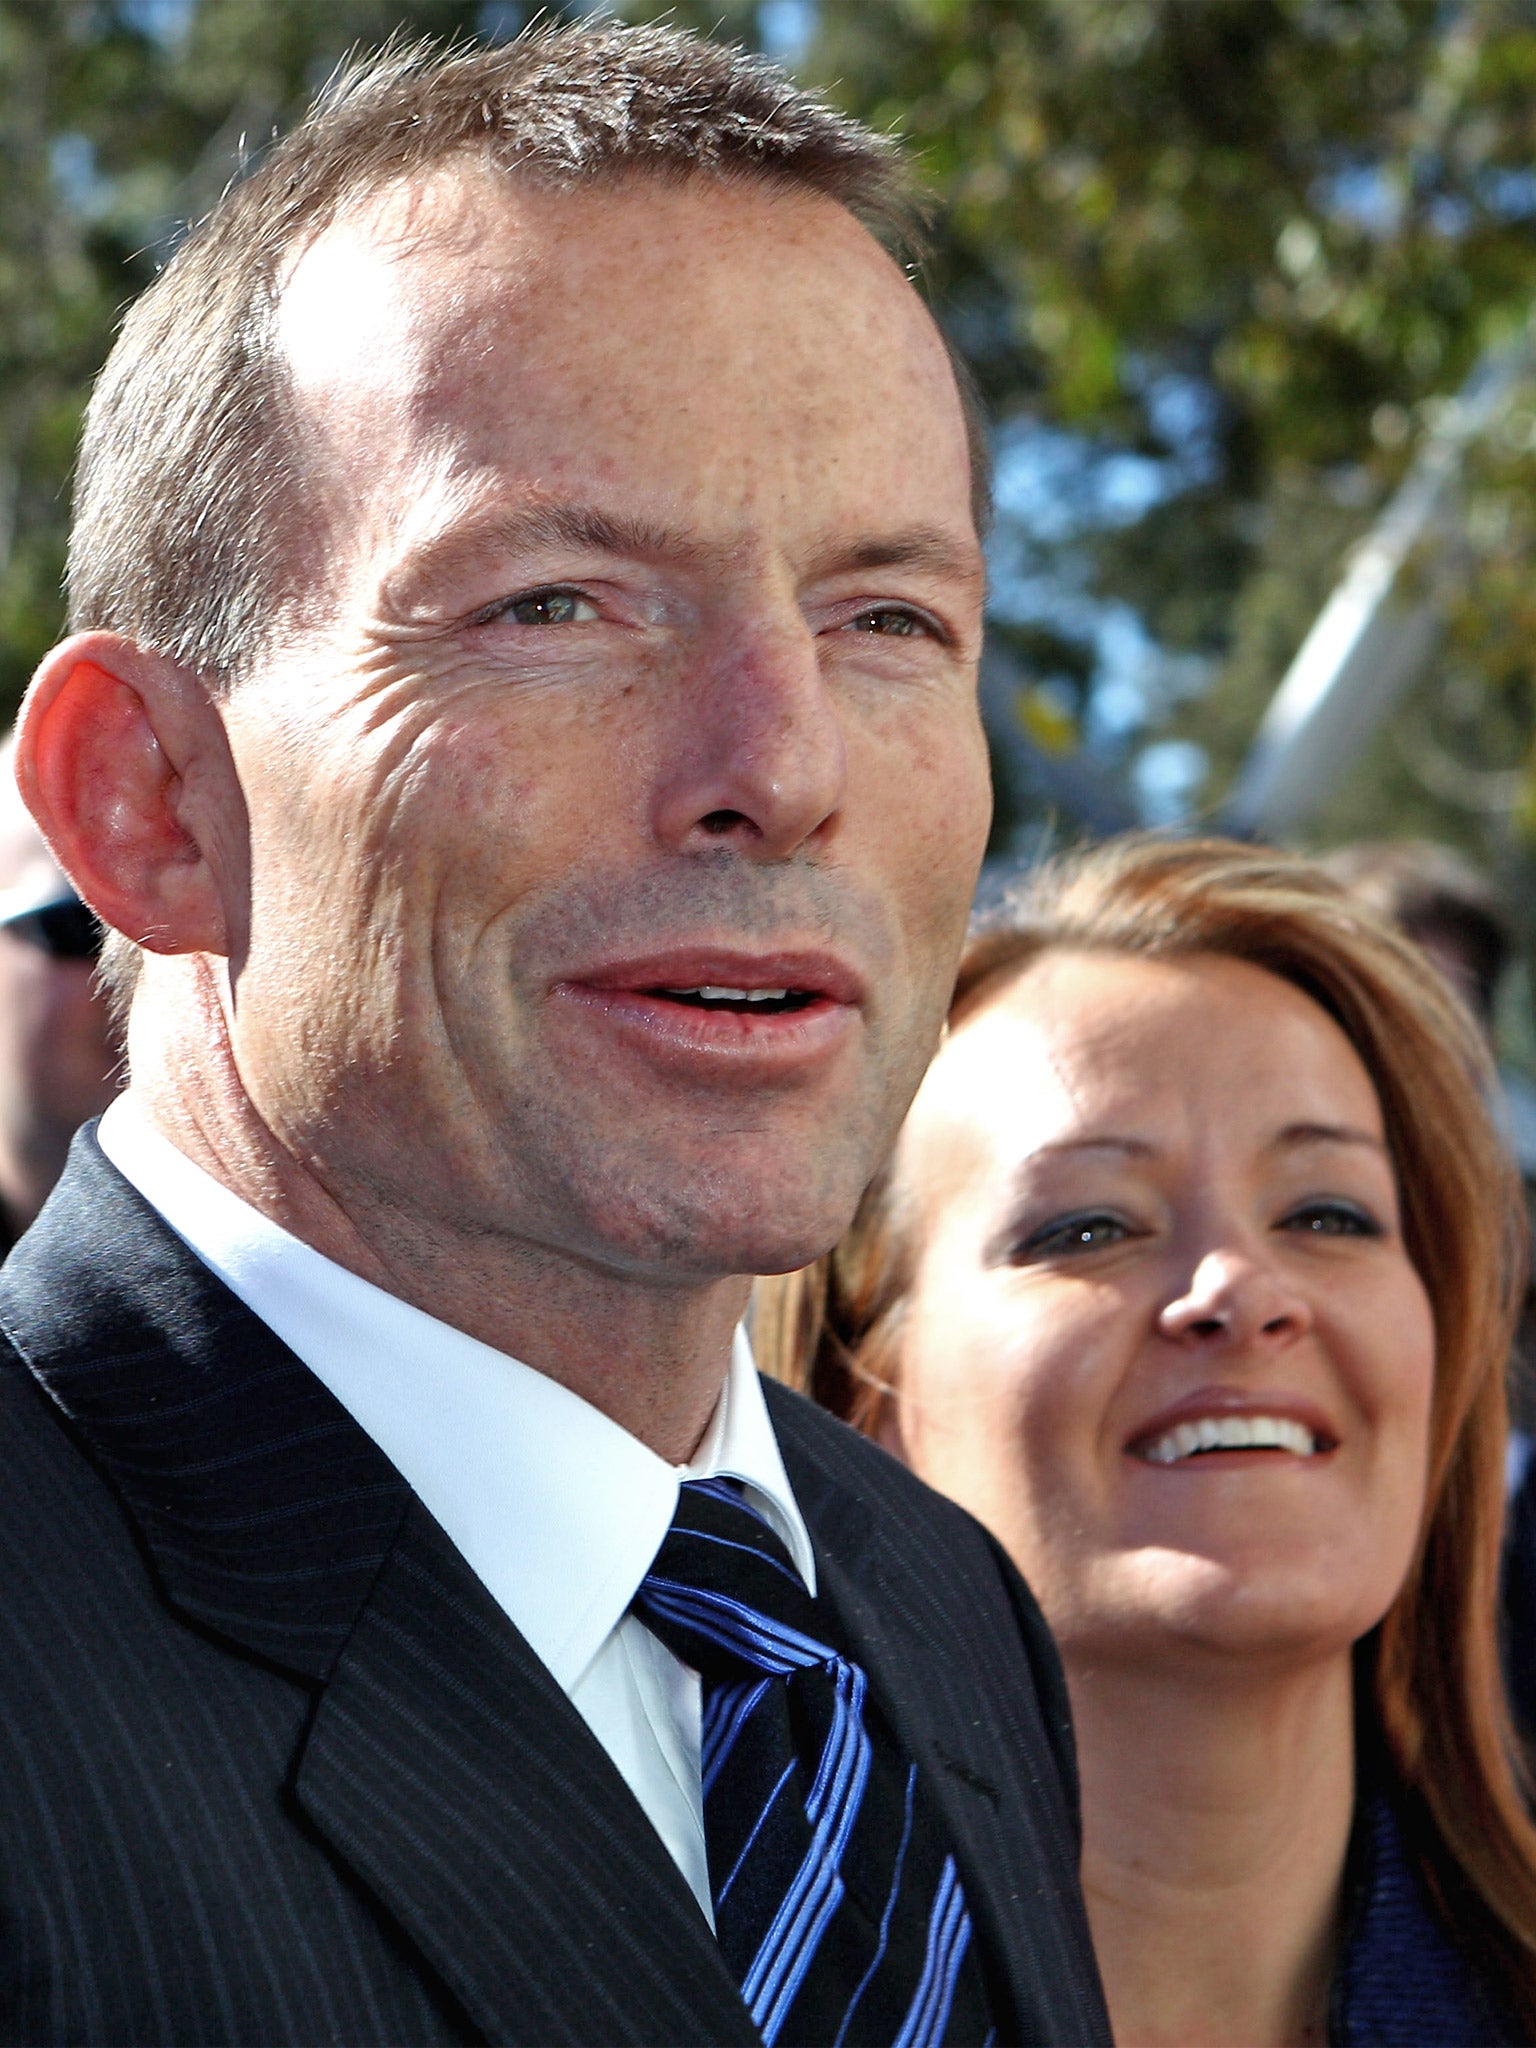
pixel 1093 1231
pixel 545 608
pixel 1332 1218
pixel 894 621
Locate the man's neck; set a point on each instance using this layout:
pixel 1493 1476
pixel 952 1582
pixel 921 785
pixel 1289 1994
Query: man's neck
pixel 1214 1848
pixel 652 1357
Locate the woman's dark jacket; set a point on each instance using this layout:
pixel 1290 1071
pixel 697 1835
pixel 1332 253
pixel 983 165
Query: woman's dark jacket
pixel 1401 1982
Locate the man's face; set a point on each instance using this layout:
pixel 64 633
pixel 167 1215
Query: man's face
pixel 645 666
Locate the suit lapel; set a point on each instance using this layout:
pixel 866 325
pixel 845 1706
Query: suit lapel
pixel 265 1510
pixel 970 1790
pixel 442 1762
pixel 985 1797
pixel 449 1769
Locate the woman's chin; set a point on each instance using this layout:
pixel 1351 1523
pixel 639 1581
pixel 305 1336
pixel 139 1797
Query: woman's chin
pixel 1160 1608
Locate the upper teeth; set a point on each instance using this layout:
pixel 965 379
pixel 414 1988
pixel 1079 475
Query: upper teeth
pixel 1231 1433
pixel 734 995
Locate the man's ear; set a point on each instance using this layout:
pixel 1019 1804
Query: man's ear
pixel 121 757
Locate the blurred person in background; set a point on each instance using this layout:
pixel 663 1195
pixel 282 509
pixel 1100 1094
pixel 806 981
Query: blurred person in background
pixel 1193 1277
pixel 58 1055
pixel 1435 895
pixel 1453 913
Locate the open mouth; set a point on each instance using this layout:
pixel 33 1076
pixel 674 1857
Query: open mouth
pixel 1212 1433
pixel 743 1002
pixel 723 1011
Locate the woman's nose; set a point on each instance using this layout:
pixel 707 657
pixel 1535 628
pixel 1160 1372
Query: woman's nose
pixel 1235 1298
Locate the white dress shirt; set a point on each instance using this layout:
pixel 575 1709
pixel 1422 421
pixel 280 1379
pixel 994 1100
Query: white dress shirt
pixel 558 1511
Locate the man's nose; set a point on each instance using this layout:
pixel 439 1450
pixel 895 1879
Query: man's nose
pixel 1238 1298
pixel 758 762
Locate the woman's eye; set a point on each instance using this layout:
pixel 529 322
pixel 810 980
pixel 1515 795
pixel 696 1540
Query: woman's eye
pixel 1091 1232
pixel 556 607
pixel 1332 1219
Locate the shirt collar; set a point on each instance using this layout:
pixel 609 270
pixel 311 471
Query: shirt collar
pixel 556 1509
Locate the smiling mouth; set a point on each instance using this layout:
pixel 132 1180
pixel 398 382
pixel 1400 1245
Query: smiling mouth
pixel 1210 1433
pixel 744 1002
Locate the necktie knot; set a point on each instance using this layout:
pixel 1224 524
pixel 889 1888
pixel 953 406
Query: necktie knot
pixel 723 1591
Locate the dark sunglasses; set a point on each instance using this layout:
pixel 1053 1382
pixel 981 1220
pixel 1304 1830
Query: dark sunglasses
pixel 64 930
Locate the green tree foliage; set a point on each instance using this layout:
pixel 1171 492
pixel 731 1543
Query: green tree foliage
pixel 1248 244
pixel 1226 255
pixel 120 120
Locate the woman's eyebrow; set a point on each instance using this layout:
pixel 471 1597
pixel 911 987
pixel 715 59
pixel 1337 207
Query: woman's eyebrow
pixel 1138 1148
pixel 1326 1134
pixel 1021 1190
pixel 1293 1135
pixel 1021 1178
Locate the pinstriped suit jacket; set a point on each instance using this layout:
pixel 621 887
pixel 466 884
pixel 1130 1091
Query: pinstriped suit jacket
pixel 274 1768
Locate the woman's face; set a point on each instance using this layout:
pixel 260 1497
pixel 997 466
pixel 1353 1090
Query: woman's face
pixel 1165 1339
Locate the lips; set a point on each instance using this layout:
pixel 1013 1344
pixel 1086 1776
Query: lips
pixel 785 1008
pixel 1233 1427
pixel 728 972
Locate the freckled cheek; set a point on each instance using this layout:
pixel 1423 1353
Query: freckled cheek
pixel 494 818
pixel 921 786
pixel 938 745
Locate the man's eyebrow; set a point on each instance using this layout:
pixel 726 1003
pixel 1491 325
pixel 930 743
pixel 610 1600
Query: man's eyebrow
pixel 472 542
pixel 591 529
pixel 913 547
pixel 590 526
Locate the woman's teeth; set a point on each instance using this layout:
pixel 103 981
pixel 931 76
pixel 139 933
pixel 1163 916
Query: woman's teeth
pixel 1231 1433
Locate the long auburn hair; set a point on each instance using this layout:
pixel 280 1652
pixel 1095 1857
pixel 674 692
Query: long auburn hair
pixel 1431 1670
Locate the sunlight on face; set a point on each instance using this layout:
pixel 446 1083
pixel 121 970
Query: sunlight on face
pixel 1165 1339
pixel 651 668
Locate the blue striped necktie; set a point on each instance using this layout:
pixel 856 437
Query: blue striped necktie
pixel 837 1904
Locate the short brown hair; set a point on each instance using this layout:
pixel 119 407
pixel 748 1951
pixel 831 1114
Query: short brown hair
pixel 1437 1697
pixel 191 462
